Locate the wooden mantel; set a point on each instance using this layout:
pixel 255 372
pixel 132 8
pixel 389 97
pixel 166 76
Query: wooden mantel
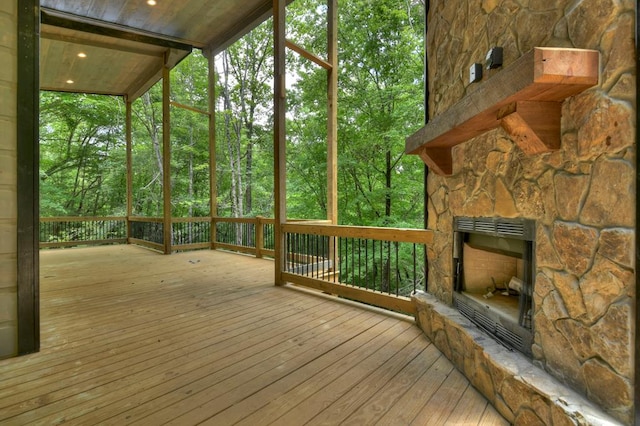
pixel 525 98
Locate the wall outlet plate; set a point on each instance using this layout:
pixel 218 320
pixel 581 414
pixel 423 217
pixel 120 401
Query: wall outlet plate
pixel 494 58
pixel 475 73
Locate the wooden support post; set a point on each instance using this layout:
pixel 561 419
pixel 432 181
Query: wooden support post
pixel 332 123
pixel 332 112
pixel 213 177
pixel 27 174
pixel 279 136
pixel 129 141
pixel 166 160
pixel 259 235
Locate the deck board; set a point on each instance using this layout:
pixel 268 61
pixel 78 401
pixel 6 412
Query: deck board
pixel 133 337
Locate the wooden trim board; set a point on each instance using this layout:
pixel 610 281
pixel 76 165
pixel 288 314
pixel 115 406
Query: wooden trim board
pixel 545 76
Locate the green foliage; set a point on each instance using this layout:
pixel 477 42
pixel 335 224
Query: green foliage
pixel 380 87
pixel 380 103
pixel 244 126
pixel 82 163
pixel 190 138
pixel 147 153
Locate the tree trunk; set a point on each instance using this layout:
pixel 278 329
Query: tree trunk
pixel 387 195
pixel 190 188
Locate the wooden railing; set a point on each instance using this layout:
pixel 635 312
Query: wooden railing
pixel 147 232
pixel 377 266
pixel 75 231
pixel 190 233
pixel 255 236
pixel 247 235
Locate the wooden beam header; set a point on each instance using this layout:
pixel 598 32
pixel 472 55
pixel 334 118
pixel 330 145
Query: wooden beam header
pixel 541 77
pixel 94 26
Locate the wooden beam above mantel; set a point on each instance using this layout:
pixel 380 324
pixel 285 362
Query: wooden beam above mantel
pixel 525 98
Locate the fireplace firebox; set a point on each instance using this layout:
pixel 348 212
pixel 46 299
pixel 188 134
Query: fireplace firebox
pixel 494 275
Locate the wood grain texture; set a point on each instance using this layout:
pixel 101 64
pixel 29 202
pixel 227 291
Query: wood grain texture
pixel 134 337
pixel 543 75
pixel 129 38
pixel 418 236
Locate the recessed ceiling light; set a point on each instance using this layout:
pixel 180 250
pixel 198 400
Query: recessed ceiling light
pixel 151 2
pixel 82 55
pixel 69 81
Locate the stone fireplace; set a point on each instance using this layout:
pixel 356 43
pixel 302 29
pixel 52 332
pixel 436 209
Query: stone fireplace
pixel 580 194
pixel 493 277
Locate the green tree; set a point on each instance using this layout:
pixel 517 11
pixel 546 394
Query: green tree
pixel 380 103
pixel 82 155
pixel 147 153
pixel 190 138
pixel 381 93
pixel 244 123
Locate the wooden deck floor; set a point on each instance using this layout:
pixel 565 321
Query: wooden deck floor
pixel 131 336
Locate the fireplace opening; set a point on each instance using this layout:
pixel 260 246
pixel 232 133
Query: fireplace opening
pixel 493 277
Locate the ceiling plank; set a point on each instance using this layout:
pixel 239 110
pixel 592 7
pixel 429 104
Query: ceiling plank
pixel 52 33
pixel 88 25
pixel 243 26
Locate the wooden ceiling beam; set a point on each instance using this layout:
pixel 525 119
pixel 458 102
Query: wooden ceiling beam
pixel 252 20
pixel 74 38
pixel 241 29
pixel 144 82
pixel 94 26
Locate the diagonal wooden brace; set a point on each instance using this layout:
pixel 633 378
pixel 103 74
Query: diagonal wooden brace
pixel 439 160
pixel 534 126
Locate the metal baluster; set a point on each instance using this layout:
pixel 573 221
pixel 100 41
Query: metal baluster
pixel 397 269
pixel 414 268
pixel 366 264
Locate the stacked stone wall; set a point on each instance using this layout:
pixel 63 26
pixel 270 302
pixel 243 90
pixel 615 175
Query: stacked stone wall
pixel 8 178
pixel 581 196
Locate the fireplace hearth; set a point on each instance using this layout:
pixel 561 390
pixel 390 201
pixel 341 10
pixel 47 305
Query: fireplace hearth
pixel 493 277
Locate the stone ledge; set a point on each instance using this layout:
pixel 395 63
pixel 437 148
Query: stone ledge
pixel 520 391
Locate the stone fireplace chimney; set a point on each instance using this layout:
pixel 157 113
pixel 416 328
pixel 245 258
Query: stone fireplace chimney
pixel 581 196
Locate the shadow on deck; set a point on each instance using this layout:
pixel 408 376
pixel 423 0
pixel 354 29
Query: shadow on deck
pixel 205 337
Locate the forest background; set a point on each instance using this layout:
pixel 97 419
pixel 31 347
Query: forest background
pixel 380 102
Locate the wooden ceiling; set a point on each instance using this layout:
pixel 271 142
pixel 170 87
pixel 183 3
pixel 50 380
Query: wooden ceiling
pixel 126 42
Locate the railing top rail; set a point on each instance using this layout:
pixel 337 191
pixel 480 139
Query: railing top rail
pixel 242 219
pixel 191 219
pixel 155 219
pixel 310 221
pixel 145 219
pixel 81 218
pixel 419 236
pixel 234 219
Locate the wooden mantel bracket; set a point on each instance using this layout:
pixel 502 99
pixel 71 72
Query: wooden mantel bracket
pixel 525 98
